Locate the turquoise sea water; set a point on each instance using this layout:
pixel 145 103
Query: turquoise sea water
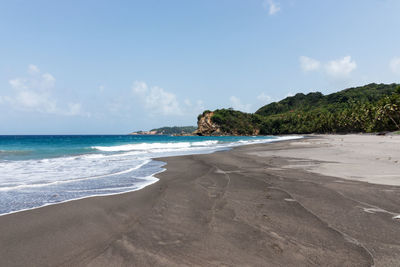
pixel 42 170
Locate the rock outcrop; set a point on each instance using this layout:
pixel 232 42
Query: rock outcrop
pixel 205 126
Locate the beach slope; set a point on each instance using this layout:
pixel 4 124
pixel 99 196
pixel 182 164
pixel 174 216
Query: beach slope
pixel 257 205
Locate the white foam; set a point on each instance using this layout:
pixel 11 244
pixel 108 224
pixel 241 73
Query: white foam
pixel 108 170
pixel 148 180
pixel 35 173
pixel 22 186
pixel 142 146
pixel 185 145
pixel 204 143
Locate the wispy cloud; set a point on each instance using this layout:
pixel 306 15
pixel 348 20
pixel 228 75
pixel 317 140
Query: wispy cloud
pixel 309 64
pixel 196 107
pixel 272 6
pixel 395 65
pixel 34 92
pixel 33 69
pixel 264 98
pixel 238 105
pixel 340 68
pixel 156 99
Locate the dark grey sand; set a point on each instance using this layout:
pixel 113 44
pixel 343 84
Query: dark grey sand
pixel 223 209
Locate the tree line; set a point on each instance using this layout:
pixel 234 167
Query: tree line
pixel 370 108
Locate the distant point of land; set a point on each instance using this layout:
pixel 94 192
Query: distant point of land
pixel 175 130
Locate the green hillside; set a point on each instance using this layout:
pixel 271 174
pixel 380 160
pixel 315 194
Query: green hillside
pixel 369 108
pixel 370 93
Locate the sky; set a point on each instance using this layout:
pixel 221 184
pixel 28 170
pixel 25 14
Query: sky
pixel 113 67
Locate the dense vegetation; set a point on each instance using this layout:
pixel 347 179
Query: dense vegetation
pixel 175 130
pixel 370 108
pixel 235 122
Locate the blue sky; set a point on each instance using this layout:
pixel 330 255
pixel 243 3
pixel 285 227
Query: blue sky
pixel 109 67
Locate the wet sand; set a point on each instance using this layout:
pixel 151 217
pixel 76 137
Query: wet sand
pixel 251 206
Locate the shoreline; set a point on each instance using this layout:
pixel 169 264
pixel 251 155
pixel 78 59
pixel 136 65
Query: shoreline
pixel 105 195
pixel 230 207
pixel 152 176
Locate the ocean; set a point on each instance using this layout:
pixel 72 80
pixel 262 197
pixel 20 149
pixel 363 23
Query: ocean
pixel 37 171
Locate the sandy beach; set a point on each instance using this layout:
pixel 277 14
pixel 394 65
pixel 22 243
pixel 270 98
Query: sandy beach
pixel 319 201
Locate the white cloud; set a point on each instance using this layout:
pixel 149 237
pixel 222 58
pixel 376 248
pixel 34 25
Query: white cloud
pixel 156 99
pixel 271 6
pixel 47 81
pixel 34 93
pixel 238 105
pixel 160 100
pixel 33 69
pixel 309 64
pixel 264 98
pixel 340 68
pixel 18 83
pixel 139 87
pixel 33 100
pixel 395 65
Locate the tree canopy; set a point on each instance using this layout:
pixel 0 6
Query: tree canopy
pixel 369 108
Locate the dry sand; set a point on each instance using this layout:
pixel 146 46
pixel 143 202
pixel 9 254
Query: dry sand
pixel 250 206
pixel 369 158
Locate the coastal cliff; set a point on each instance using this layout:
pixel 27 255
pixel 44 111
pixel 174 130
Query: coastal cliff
pixel 225 122
pixel 205 126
